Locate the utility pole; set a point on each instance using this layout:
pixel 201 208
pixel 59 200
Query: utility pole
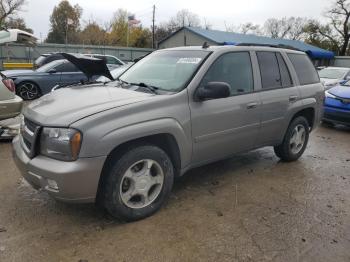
pixel 153 19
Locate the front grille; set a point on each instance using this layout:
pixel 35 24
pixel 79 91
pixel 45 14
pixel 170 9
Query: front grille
pixel 29 132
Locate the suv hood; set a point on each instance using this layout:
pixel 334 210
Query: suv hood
pixel 67 105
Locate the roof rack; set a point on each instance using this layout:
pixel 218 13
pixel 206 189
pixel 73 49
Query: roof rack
pixel 270 45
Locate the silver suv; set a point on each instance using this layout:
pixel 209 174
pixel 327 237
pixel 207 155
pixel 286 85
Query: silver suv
pixel 122 143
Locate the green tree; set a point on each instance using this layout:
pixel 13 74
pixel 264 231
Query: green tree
pixel 65 23
pixel 93 34
pixel 119 28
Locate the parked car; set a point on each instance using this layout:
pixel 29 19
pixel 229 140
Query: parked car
pixel 115 73
pixel 332 76
pixel 32 84
pixel 47 58
pixel 111 61
pixel 123 142
pixel 10 104
pixel 337 105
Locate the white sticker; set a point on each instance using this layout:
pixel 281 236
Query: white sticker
pixel 189 60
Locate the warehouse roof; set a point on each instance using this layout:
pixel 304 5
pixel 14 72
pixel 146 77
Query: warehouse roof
pixel 225 38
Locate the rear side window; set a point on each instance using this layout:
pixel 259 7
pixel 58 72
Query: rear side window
pixel 273 70
pixel 285 75
pixel 66 67
pixel 235 69
pixel 270 74
pixel 305 70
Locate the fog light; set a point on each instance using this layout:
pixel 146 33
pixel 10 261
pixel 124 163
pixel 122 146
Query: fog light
pixel 52 184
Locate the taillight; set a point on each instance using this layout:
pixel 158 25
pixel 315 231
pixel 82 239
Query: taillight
pixel 9 84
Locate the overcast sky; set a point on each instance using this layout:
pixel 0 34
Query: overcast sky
pixel 37 12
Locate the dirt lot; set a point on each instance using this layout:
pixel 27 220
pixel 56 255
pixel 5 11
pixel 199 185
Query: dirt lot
pixel 248 208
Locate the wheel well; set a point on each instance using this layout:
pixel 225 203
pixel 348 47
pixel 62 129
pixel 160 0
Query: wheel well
pixel 164 141
pixel 29 81
pixel 308 113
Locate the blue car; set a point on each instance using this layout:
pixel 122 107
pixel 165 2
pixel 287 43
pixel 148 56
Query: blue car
pixel 32 84
pixel 337 105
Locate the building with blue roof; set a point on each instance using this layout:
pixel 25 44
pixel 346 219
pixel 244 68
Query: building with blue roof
pixel 194 36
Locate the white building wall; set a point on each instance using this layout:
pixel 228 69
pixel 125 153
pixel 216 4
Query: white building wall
pixel 184 38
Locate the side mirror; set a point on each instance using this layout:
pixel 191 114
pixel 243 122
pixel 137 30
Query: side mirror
pixel 213 90
pixel 52 71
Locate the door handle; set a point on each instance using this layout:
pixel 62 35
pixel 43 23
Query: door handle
pixel 252 105
pixel 293 98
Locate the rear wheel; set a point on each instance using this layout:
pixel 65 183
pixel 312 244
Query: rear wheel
pixel 295 140
pixel 138 184
pixel 28 90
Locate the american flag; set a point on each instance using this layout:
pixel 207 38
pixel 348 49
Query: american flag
pixel 132 20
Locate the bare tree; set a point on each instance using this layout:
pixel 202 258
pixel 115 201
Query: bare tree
pixel 249 28
pixel 9 8
pixel 289 28
pixel 184 18
pixel 337 31
pixel 277 28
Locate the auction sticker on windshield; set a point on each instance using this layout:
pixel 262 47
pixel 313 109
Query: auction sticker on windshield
pixel 189 60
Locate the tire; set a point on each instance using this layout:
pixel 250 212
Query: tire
pixel 28 90
pixel 294 142
pixel 127 191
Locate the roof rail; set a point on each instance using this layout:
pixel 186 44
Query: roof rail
pixel 270 45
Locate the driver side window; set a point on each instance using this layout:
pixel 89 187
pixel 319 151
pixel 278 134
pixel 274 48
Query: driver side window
pixel 235 69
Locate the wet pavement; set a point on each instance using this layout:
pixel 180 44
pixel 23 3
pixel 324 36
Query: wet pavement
pixel 248 208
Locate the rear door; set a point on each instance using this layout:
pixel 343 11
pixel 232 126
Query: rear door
pixel 221 127
pixel 278 94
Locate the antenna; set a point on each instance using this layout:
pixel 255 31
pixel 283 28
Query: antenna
pixel 205 45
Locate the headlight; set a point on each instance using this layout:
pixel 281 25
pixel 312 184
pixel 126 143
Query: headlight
pixel 60 143
pixel 329 95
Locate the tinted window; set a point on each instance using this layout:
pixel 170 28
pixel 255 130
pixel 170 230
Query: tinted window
pixel 234 69
pixel 66 67
pixel 305 70
pixel 270 74
pixel 285 75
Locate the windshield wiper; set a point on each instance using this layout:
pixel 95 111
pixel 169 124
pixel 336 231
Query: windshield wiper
pixel 153 89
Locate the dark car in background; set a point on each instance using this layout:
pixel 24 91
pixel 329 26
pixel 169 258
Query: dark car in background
pixel 111 61
pixel 32 84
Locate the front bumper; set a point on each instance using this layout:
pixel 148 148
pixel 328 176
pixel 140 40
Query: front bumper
pixel 77 181
pixel 336 115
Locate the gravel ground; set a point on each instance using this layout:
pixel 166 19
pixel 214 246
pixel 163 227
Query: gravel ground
pixel 248 208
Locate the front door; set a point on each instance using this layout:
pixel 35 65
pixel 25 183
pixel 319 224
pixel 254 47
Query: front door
pixel 221 127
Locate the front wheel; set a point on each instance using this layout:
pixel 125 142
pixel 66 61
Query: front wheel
pixel 138 184
pixel 28 91
pixel 295 140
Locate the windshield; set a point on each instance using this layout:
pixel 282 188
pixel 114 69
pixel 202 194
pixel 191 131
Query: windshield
pixel 40 60
pixel 48 66
pixel 333 73
pixel 167 70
